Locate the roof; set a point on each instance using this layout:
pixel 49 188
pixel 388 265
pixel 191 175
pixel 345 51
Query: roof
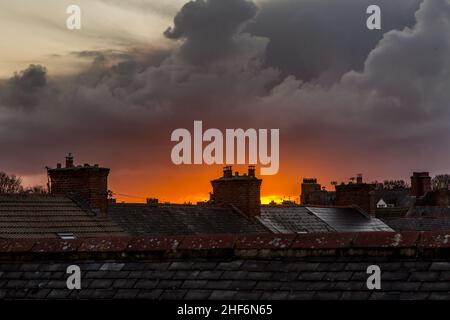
pixel 398 198
pixel 348 219
pixel 181 219
pixel 419 224
pixel 138 219
pixel 265 267
pixel 291 219
pixel 391 212
pixel 425 211
pixel 44 216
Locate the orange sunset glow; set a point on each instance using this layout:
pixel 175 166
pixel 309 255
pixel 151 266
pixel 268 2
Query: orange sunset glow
pixel 190 184
pixel 113 91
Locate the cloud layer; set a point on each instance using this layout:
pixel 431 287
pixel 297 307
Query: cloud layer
pixel 345 98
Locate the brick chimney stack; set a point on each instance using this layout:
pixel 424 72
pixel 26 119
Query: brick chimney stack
pixel 87 184
pixel 420 184
pixel 69 161
pixel 240 191
pixel 356 194
pixel 359 178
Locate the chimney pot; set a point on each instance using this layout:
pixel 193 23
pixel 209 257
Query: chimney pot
pixel 251 171
pixel 69 160
pixel 227 172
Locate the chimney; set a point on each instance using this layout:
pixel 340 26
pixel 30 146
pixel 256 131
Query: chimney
pixel 227 172
pixel 87 184
pixel 356 194
pixel 152 201
pixel 420 184
pixel 69 161
pixel 359 179
pixel 308 187
pixel 251 171
pixel 240 191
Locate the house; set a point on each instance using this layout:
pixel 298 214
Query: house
pixel 331 266
pixel 382 204
pixel 235 207
pixel 77 206
pixel 419 218
pixel 50 216
pixel 229 248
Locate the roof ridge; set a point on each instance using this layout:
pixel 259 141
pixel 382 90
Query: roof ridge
pixel 410 244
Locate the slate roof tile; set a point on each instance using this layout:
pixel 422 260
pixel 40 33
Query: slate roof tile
pixel 355 295
pixel 222 294
pixel 444 266
pixel 444 275
pixel 349 285
pixel 439 296
pixel 335 276
pixel 210 274
pixel 146 284
pixel 435 286
pixel 173 294
pixel 327 295
pixel 186 274
pixel 243 284
pixel 197 294
pixel 194 284
pixel 395 275
pixel 159 274
pixel 247 295
pixel 219 284
pixel 268 285
pixel 348 219
pixel 125 294
pixel 321 274
pixel 414 295
pixel 101 284
pixel 139 219
pixel 424 276
pixel 44 216
pixel 404 286
pixel 59 293
pixel 124 283
pixel 275 295
pixel 150 294
pixel 169 284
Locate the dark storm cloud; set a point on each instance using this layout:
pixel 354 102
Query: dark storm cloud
pixel 394 108
pixel 25 87
pixel 209 27
pixel 393 102
pixel 323 39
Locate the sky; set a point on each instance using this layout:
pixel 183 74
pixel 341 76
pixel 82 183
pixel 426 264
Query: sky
pixel 346 99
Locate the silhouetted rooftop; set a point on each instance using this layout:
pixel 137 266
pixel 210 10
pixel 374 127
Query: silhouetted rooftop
pixel 46 216
pixel 181 220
